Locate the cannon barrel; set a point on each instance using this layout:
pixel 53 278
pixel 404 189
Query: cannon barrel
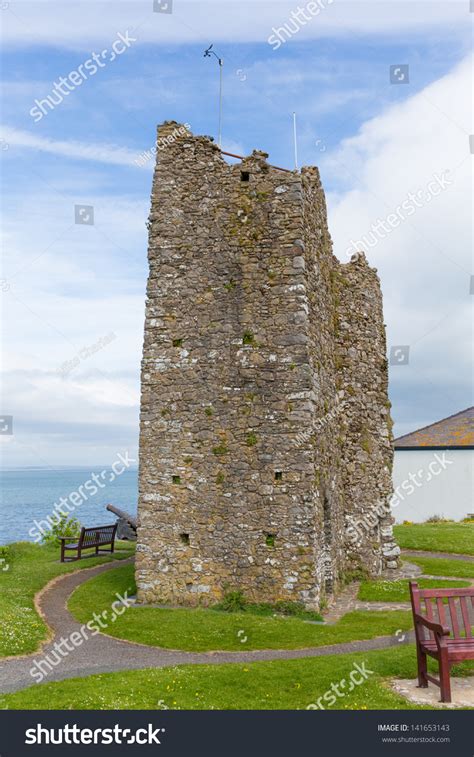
pixel 123 515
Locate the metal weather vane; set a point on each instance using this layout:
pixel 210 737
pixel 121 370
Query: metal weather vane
pixel 207 54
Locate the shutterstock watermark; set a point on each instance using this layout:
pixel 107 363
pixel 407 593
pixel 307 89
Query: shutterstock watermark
pixel 163 6
pixel 415 480
pixel 84 215
pixel 399 354
pixel 84 353
pixel 297 19
pixel 383 227
pixel 399 73
pixel 43 666
pixel 357 676
pixel 161 143
pixel 362 526
pixel 6 425
pixel 78 76
pixel 80 495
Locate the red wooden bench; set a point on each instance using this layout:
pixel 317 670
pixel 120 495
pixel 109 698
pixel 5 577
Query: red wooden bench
pixel 97 536
pixel 448 627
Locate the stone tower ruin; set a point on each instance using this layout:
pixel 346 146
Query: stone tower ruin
pixel 265 442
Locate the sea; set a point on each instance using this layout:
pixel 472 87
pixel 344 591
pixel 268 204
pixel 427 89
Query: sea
pixel 28 496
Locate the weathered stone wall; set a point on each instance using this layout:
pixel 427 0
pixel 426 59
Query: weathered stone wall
pixel 367 452
pixel 243 466
pixel 326 437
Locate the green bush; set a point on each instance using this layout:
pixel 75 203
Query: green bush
pixel 5 557
pixel 438 519
pixel 358 574
pixel 234 601
pixel 66 526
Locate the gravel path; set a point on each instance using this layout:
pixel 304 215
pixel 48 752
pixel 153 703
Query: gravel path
pixel 103 654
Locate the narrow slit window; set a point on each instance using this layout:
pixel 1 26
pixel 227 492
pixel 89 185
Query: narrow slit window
pixel 244 176
pixel 184 539
pixel 176 479
pixel 278 475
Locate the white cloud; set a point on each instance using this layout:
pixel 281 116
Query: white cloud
pixel 100 153
pixel 425 262
pixel 69 287
pixel 88 24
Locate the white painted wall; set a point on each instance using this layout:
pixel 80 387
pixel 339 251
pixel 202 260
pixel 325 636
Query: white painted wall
pixel 432 482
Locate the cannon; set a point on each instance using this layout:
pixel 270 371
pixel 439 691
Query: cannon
pixel 126 524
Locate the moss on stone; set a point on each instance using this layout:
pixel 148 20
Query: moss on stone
pixel 220 449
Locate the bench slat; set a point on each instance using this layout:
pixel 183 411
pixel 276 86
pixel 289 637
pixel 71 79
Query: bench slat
pixel 429 614
pixel 441 611
pixel 465 617
pixel 464 592
pixel 453 611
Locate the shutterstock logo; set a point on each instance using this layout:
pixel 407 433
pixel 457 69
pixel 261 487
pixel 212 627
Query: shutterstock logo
pixel 400 73
pixel 84 214
pixel 163 6
pixel 6 424
pixel 73 734
pixel 399 354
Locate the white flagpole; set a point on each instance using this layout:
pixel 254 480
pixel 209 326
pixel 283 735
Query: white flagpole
pixel 221 64
pixel 295 141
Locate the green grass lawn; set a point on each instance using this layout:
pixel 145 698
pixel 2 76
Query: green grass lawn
pixel 283 684
pixel 437 537
pixel 434 566
pixel 397 591
pixel 207 630
pixel 30 567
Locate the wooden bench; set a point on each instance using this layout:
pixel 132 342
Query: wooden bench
pixel 448 627
pixel 97 536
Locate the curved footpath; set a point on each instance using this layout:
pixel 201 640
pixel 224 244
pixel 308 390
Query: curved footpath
pixel 105 654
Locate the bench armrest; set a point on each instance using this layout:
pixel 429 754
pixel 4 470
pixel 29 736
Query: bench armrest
pixel 67 538
pixel 437 628
pixel 439 631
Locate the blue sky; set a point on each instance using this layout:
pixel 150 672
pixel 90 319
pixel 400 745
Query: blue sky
pixel 66 285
